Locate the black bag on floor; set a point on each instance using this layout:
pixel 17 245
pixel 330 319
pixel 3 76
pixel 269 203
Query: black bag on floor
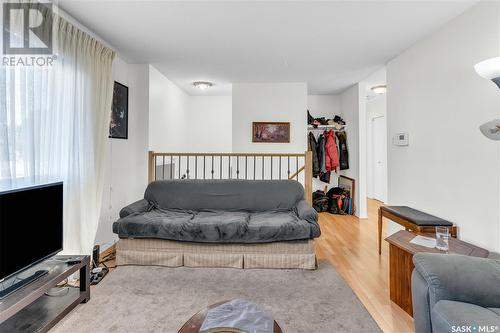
pixel 320 201
pixel 333 205
pixel 336 196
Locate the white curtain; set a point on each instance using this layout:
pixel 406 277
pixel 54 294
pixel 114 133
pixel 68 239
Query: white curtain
pixel 54 125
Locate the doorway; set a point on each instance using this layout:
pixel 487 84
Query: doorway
pixel 379 158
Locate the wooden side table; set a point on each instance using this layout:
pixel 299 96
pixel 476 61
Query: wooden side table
pixel 401 253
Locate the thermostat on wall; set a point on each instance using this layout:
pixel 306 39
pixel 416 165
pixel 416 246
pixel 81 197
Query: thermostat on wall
pixel 401 139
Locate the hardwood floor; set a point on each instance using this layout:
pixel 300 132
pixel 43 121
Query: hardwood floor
pixel 350 244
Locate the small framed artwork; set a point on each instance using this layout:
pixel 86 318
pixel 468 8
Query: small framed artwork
pixel 118 126
pixel 271 132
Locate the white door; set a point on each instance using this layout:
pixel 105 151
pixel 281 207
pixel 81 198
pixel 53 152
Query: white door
pixel 379 159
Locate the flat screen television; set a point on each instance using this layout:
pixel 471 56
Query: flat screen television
pixel 31 226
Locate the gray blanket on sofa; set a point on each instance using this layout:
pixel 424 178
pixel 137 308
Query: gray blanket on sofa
pixel 220 211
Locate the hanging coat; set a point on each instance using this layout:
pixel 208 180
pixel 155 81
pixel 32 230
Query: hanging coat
pixel 325 177
pixel 331 152
pixel 343 152
pixel 321 154
pixel 313 146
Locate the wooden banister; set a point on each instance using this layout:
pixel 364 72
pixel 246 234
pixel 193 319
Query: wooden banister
pixel 190 165
pixel 296 173
pixel 232 154
pixel 308 174
pixel 151 166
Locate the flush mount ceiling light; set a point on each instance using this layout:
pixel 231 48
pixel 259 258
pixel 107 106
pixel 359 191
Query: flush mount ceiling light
pixel 202 85
pixel 489 69
pixel 380 89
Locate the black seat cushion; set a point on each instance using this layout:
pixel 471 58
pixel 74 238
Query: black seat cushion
pixel 415 216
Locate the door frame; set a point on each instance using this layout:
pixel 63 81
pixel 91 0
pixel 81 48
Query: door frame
pixel 372 161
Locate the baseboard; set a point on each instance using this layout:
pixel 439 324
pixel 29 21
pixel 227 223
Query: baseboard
pixel 109 251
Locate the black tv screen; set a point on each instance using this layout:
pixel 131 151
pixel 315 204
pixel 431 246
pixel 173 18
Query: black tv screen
pixel 31 226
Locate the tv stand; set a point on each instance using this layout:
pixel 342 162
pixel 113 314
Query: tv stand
pixel 7 291
pixel 29 309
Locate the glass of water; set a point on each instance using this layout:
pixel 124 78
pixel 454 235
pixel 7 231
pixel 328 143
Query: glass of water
pixel 442 237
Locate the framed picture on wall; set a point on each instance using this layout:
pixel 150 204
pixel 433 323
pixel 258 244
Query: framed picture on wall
pixel 118 125
pixel 271 132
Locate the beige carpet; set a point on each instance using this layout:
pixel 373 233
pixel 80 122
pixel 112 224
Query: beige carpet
pixel 159 299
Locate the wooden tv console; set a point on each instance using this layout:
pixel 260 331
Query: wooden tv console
pixel 29 309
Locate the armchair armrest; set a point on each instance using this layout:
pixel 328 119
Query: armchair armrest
pixel 139 206
pixel 306 212
pixel 460 278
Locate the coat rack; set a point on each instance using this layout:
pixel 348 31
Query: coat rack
pixel 325 127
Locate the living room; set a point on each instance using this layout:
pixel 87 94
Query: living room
pixel 215 166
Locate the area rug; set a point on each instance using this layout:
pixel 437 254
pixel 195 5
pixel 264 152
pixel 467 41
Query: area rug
pixel 159 299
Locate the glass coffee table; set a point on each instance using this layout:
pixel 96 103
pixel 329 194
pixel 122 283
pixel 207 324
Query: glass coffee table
pixel 233 316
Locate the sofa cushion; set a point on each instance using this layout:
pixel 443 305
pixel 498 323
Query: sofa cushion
pixel 449 314
pixel 234 195
pixel 278 225
pixel 210 226
pixel 216 226
pixel 153 223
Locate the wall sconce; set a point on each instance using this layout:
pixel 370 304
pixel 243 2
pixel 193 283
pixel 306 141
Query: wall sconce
pixel 490 69
pixel 491 129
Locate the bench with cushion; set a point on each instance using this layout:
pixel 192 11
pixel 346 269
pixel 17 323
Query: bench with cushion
pixel 413 220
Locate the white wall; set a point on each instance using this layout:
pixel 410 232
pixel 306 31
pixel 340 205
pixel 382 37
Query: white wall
pixel 353 105
pixel 323 105
pixel 168 109
pixel 269 102
pixel 126 163
pixel 182 123
pixel 449 169
pixel 209 124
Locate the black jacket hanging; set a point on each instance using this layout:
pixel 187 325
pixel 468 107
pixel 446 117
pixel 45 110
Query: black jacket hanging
pixel 313 146
pixel 321 154
pixel 343 151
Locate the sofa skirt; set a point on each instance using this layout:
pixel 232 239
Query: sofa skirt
pixel 291 254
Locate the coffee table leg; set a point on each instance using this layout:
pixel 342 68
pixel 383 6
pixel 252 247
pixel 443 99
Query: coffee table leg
pixel 379 231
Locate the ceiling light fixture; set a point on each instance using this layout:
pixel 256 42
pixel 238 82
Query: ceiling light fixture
pixel 380 89
pixel 202 85
pixel 489 69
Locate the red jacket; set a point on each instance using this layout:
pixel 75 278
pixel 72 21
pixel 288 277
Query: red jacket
pixel 331 152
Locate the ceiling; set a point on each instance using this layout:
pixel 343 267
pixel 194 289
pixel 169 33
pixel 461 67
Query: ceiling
pixel 329 45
